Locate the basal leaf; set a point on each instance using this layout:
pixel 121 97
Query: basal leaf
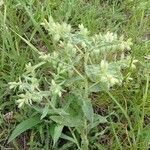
pixel 24 126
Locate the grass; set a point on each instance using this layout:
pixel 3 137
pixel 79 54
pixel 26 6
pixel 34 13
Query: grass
pixel 129 126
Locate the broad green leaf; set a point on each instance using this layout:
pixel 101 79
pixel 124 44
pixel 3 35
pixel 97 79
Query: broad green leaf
pixel 93 72
pixel 68 121
pixel 24 126
pixel 57 133
pixel 75 113
pixel 88 109
pixel 96 87
pixel 51 111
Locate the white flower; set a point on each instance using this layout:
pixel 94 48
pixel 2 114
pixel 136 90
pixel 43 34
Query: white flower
pixel 20 102
pixel 66 28
pixel 1 2
pixel 13 84
pixel 83 44
pixel 104 78
pixel 147 57
pixel 35 84
pixel 110 37
pixel 24 99
pixel 112 80
pixel 83 30
pixel 56 88
pixel 56 37
pixel 29 67
pixel 133 66
pixel 44 56
pixel 104 65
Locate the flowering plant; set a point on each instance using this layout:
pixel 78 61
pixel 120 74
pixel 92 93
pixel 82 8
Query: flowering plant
pixel 78 65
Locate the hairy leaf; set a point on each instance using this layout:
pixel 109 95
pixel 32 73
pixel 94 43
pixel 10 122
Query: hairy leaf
pixel 24 126
pixel 88 109
pixel 57 133
pixel 68 121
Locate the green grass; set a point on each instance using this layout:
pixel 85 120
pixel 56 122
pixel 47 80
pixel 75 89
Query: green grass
pixel 129 127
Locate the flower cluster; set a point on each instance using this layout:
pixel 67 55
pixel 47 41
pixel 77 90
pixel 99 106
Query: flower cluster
pixel 56 29
pixel 29 88
pixel 78 57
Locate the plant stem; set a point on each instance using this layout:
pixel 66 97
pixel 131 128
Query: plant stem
pixel 77 143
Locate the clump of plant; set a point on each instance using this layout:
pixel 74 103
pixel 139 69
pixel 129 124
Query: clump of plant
pixel 59 87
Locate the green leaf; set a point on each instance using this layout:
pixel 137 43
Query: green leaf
pixel 52 111
pixel 45 112
pixel 88 109
pixel 57 133
pixel 67 146
pixel 68 121
pixel 74 110
pixel 98 119
pixel 93 72
pixel 96 87
pixel 24 126
pixel 72 80
pixel 66 137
